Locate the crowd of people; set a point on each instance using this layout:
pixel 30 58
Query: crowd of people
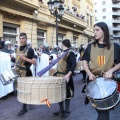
pixel 100 59
pixel 73 11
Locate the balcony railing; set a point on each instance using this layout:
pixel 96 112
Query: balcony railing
pixel 117 36
pixel 68 17
pixel 116 29
pixel 32 4
pixel 116 6
pixel 71 18
pixel 117 13
pixel 114 1
pixel 116 21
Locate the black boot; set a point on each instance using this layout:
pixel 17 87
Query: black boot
pixel 86 100
pixel 61 111
pixel 15 92
pixel 67 105
pixel 22 111
pixel 66 114
pixel 58 113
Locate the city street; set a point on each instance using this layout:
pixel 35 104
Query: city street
pixel 10 107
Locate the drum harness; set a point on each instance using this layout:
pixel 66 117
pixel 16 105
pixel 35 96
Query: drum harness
pixel 17 64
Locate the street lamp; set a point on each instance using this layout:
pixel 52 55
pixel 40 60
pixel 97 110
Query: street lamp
pixel 56 9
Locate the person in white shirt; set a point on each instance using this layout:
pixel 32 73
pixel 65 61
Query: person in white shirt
pixel 44 59
pixel 5 64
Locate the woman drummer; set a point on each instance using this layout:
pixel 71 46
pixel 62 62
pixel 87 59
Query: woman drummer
pixel 69 67
pixel 99 57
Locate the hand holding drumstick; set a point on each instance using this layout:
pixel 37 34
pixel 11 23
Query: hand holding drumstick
pixel 91 77
pixel 108 74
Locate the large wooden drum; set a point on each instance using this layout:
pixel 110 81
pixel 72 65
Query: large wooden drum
pixel 33 90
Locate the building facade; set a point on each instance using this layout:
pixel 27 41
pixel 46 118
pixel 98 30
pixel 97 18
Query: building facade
pixel 34 18
pixel 116 20
pixel 109 13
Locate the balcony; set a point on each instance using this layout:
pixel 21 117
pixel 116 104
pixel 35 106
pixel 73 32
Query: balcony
pixel 114 1
pixel 67 19
pixel 23 4
pixel 117 13
pixel 31 4
pixel 72 19
pixel 116 6
pixel 116 21
pixel 116 36
pixel 116 29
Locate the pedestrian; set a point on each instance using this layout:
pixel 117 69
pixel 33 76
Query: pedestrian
pixel 5 64
pixel 1 43
pixel 44 59
pixel 65 68
pixel 102 46
pixel 54 55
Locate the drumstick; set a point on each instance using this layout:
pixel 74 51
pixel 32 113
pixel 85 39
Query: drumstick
pixel 47 102
pixel 100 89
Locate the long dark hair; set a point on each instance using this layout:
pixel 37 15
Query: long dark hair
pixel 105 29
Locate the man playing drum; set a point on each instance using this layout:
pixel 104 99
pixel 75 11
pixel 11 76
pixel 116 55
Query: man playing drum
pixel 100 55
pixel 65 68
pixel 24 58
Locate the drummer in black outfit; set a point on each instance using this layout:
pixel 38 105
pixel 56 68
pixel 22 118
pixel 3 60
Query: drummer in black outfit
pixel 23 68
pixel 102 48
pixel 70 67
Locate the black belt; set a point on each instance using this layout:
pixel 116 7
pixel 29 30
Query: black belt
pixel 22 68
pixel 61 73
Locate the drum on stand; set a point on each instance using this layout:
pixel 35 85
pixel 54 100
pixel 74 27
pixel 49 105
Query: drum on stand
pixel 8 76
pixel 103 93
pixel 32 90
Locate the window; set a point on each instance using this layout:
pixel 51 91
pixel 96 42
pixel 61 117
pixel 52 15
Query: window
pixel 11 32
pixel 104 17
pixel 41 37
pixel 103 2
pixel 95 11
pixel 104 10
pixel 90 20
pixel 61 37
pixel 75 41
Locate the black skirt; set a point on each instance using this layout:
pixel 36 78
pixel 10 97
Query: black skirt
pixel 70 88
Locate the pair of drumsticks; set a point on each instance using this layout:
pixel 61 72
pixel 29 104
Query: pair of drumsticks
pixel 101 60
pixel 47 102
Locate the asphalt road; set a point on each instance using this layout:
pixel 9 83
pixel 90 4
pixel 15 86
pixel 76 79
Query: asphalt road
pixel 79 111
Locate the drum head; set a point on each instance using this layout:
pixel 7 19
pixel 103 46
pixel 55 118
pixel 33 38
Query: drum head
pixel 101 88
